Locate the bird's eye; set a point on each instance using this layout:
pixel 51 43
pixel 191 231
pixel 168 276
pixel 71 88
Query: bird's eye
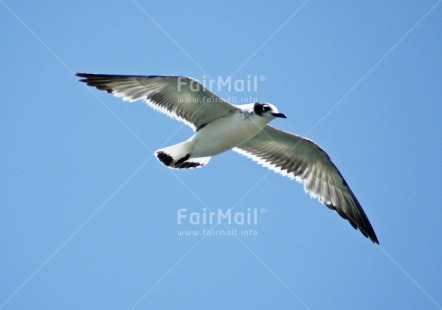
pixel 260 108
pixel 266 108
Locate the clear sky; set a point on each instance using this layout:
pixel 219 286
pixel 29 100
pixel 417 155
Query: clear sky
pixel 89 218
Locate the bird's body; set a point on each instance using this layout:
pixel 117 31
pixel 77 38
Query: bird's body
pixel 220 126
pixel 225 133
pixel 219 136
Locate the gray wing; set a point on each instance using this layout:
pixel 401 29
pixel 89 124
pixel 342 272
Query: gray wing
pixel 301 159
pixel 179 97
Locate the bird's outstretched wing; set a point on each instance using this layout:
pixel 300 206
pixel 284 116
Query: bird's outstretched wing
pixel 303 160
pixel 179 97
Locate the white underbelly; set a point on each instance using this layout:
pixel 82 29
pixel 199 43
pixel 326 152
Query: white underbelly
pixel 224 134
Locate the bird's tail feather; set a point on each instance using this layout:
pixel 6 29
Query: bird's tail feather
pixel 178 156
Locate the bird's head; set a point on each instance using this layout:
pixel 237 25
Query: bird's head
pixel 264 109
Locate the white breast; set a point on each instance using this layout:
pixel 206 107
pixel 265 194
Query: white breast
pixel 225 133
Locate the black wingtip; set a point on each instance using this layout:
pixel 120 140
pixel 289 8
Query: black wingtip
pixel 368 231
pixel 374 238
pixel 166 159
pixel 82 75
pixel 370 234
pixel 99 81
pixel 364 227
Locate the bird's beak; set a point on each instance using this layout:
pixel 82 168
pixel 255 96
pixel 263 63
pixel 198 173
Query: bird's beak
pixel 279 115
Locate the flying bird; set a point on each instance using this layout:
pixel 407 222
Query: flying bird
pixel 220 126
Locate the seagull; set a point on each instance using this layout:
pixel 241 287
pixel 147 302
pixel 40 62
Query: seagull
pixel 220 126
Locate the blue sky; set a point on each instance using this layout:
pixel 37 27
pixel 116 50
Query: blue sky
pixel 89 217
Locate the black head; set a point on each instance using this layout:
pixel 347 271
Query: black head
pixel 263 109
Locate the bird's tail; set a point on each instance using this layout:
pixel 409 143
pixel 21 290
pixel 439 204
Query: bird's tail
pixel 178 156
